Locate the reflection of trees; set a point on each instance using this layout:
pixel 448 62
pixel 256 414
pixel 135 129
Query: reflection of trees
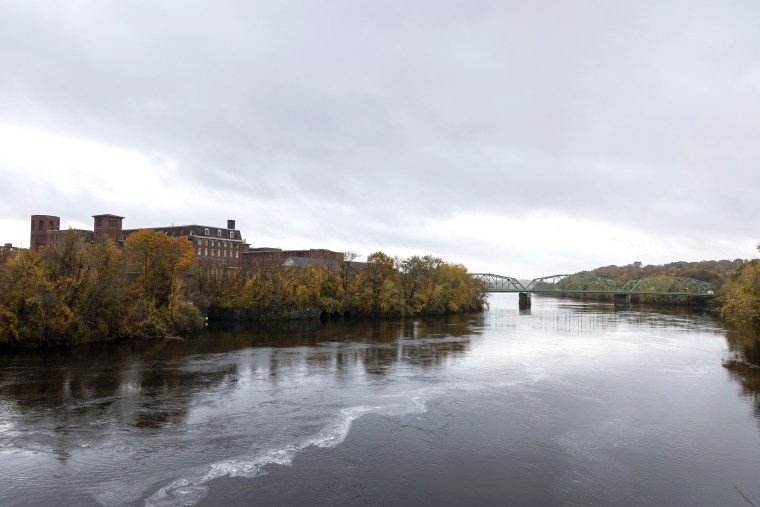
pixel 372 346
pixel 744 366
pixel 62 395
pixel 148 385
pixel 376 344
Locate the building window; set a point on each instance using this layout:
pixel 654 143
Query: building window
pixel 205 232
pixel 232 234
pixel 199 251
pixel 218 233
pixel 205 252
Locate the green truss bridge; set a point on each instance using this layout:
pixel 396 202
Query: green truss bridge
pixel 586 283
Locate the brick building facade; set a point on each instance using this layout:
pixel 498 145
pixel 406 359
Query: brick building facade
pixel 41 225
pixel 267 258
pixel 46 231
pixel 107 226
pixel 214 246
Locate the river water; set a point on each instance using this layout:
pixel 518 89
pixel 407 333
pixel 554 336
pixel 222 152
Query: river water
pixel 569 403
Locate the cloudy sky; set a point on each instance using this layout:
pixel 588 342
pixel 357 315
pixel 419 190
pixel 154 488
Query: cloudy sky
pixel 521 138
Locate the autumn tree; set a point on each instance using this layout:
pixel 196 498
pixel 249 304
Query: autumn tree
pixel 740 297
pixel 375 289
pixel 155 261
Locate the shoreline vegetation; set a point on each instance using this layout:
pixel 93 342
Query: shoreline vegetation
pixel 736 285
pixel 152 287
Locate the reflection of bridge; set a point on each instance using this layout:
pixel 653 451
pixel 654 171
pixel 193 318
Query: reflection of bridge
pixel 586 283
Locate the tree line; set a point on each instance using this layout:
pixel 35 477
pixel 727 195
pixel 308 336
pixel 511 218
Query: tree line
pixel 94 291
pixel 715 272
pixel 383 286
pixel 736 284
pixel 152 287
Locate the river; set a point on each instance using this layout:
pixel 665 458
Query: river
pixel 569 403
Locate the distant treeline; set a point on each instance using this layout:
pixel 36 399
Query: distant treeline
pixel 715 272
pixel 736 284
pixel 152 287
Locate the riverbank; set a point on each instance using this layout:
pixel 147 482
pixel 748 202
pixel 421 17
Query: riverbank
pixel 153 289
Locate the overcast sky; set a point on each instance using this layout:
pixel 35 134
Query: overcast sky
pixel 514 137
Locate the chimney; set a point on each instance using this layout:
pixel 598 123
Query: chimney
pixel 230 224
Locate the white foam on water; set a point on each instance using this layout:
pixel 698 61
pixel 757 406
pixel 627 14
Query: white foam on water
pixel 191 488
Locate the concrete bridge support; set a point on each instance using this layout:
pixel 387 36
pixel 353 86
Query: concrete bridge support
pixel 524 302
pixel 622 301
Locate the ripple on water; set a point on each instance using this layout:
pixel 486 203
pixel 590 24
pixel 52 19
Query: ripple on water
pixel 191 488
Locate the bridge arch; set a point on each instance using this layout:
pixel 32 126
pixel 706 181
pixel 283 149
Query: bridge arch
pixel 499 283
pixel 579 283
pixel 668 286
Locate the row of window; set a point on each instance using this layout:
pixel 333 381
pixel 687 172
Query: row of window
pixel 219 233
pixel 112 222
pixel 203 252
pixel 52 225
pixel 213 243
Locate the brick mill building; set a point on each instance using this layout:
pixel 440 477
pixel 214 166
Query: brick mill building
pixel 46 231
pixel 214 247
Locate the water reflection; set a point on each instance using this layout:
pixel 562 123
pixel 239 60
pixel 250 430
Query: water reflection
pixel 744 366
pixel 565 387
pixel 151 385
pixel 575 316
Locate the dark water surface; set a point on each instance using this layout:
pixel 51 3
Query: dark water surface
pixel 568 404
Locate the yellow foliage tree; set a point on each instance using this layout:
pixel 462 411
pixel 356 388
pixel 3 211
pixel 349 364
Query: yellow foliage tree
pixel 741 297
pixel 157 259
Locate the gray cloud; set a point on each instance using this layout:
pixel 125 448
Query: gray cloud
pixel 377 116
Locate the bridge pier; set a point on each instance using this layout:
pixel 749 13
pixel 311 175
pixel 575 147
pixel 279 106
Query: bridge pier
pixel 524 301
pixel 622 301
